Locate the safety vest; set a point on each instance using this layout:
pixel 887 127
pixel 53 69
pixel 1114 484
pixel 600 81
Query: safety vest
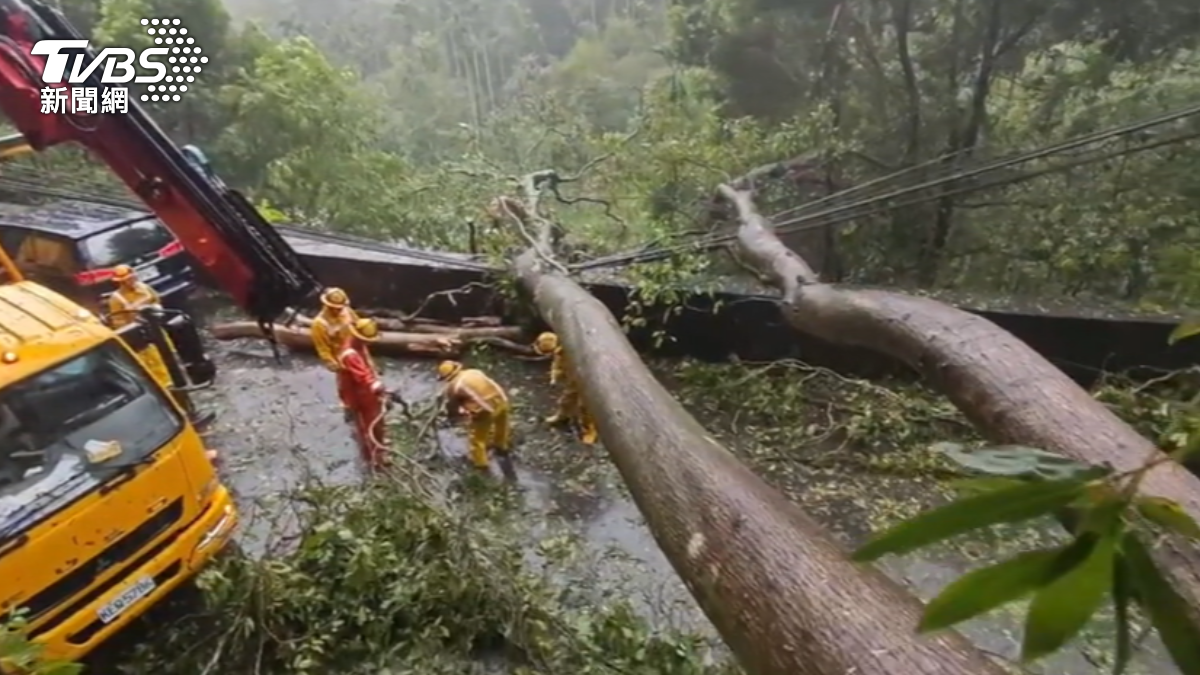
pixel 337 329
pixel 124 304
pixel 476 381
pixel 144 296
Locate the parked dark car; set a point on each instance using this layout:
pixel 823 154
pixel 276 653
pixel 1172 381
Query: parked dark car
pixel 72 247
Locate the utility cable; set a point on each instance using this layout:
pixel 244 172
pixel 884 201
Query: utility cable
pixel 709 242
pixel 867 208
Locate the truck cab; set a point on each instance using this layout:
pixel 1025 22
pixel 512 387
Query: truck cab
pixel 108 501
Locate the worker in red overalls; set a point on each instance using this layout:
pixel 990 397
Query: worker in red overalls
pixel 362 392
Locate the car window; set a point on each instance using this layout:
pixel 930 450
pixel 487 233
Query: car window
pixel 126 244
pixel 47 252
pixel 11 238
pixel 101 399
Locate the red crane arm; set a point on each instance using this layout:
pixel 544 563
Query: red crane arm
pixel 220 228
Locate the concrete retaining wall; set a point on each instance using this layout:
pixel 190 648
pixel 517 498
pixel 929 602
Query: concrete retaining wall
pixel 750 327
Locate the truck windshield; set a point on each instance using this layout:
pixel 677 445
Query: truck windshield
pixel 127 244
pixel 68 428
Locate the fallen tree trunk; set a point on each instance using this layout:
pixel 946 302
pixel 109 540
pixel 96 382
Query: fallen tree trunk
pixel 394 344
pixel 466 321
pixel 1007 390
pixel 779 590
pixel 458 332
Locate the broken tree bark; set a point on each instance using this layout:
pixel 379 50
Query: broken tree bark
pixel 779 590
pixel 1008 391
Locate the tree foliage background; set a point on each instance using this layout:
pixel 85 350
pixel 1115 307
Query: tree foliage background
pixel 401 118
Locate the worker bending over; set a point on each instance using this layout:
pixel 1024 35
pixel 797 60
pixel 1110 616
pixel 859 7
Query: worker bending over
pixel 332 326
pixel 125 306
pixel 362 392
pixel 469 392
pixel 571 407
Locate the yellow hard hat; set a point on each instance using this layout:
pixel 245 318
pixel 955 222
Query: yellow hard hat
pixel 123 273
pixel 448 369
pixel 335 298
pixel 545 343
pixel 365 329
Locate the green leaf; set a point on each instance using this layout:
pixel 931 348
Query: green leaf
pixel 1020 461
pixel 1010 505
pixel 985 589
pixel 1122 594
pixel 1167 611
pixel 1168 515
pixel 1184 331
pixel 1062 608
pixel 1189 449
pixel 969 487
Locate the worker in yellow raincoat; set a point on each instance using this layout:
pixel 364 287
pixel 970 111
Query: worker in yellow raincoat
pixel 124 305
pixel 485 403
pixel 332 326
pixel 571 407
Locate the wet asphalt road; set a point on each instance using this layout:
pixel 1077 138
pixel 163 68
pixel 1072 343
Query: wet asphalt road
pixel 279 425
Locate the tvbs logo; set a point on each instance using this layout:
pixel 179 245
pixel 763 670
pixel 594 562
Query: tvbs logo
pixel 168 67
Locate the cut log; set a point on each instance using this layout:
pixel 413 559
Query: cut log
pixel 511 333
pixel 1007 390
pixel 466 321
pixel 392 344
pixel 779 590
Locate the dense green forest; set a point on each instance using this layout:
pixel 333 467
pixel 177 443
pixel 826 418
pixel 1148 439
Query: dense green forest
pixel 402 119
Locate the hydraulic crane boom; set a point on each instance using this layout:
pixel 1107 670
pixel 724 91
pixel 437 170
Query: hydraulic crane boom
pixel 216 225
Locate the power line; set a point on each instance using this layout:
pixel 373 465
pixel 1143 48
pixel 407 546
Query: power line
pixel 852 210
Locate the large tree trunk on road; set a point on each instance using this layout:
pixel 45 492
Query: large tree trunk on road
pixel 1008 391
pixel 779 590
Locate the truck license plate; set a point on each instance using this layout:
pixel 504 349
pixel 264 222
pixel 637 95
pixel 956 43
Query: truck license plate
pixel 148 272
pixel 129 597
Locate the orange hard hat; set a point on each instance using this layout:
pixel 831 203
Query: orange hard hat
pixel 123 273
pixel 335 298
pixel 365 329
pixel 448 369
pixel 545 343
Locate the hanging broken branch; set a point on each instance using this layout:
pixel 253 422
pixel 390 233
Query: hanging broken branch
pixel 1008 391
pixel 779 590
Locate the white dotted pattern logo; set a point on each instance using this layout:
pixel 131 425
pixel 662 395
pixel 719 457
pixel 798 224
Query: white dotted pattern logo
pixel 186 59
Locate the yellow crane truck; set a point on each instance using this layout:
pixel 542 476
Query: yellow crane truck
pixel 107 498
